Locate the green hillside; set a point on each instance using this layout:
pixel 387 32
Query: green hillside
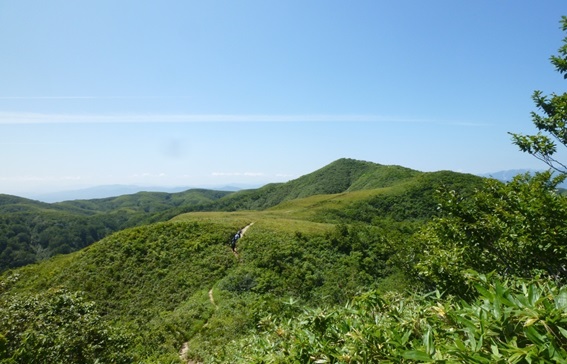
pixel 153 281
pixel 337 271
pixel 158 287
pixel 31 231
pixel 146 201
pixel 340 176
pixel 10 204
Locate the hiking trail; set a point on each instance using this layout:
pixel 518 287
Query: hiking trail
pixel 185 348
pixel 242 232
pixel 212 299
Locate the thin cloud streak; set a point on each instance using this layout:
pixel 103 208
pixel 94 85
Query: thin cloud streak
pixel 45 97
pixel 33 178
pixel 90 97
pixel 43 118
pixel 246 174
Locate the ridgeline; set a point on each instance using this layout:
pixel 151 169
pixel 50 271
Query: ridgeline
pixel 138 269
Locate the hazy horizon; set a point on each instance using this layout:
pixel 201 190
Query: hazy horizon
pixel 112 190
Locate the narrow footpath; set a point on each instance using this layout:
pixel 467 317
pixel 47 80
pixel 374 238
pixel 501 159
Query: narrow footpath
pixel 212 299
pixel 242 232
pixel 185 348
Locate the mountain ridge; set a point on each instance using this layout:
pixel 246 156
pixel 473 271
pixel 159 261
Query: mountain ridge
pixel 116 190
pixel 342 175
pixel 320 238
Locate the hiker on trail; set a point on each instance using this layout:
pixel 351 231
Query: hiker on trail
pixel 234 239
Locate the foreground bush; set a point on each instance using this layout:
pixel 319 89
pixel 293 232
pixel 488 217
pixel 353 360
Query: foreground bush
pixel 57 327
pixel 509 322
pixel 516 229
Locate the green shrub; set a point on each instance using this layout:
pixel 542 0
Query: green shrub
pixel 510 322
pixel 58 326
pixel 516 229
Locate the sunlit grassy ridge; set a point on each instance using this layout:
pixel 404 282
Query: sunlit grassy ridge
pixel 32 231
pixel 318 240
pixel 340 176
pixel 152 280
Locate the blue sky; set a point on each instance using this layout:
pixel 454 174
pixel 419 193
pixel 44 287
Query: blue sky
pixel 192 93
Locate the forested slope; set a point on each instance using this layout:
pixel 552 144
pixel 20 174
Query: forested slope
pixel 147 287
pixel 31 231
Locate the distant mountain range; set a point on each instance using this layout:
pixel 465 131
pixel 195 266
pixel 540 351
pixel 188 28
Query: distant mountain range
pixel 119 190
pixel 506 176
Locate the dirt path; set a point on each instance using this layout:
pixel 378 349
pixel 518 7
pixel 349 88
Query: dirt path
pixel 246 228
pixel 185 348
pixel 183 354
pixel 212 299
pixel 242 232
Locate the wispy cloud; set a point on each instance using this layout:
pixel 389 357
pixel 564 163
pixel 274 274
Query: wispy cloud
pixel 47 118
pixel 149 175
pixel 245 174
pixel 91 97
pixel 46 97
pixel 33 178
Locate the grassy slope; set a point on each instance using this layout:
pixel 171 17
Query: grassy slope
pixel 31 230
pixel 146 201
pixel 154 279
pixel 340 176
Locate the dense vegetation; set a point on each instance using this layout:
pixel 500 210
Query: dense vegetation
pixel 509 322
pixel 150 283
pixel 31 231
pixel 57 326
pixel 153 280
pixel 312 278
pixel 343 175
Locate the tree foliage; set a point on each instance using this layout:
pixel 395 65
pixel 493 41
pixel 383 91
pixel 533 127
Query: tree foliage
pixel 58 326
pixel 552 122
pixel 516 229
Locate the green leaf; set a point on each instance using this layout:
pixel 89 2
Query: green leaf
pixel 484 292
pixel 563 331
pixel 497 308
pixel 534 293
pixel 417 355
pixel 405 337
pixel 472 339
pixel 561 299
pixel 428 342
pixel 516 357
pixel 460 345
pixel 495 351
pixel 531 321
pixel 534 335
